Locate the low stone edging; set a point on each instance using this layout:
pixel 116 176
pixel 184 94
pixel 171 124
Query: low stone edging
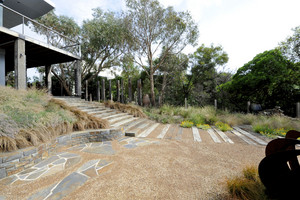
pixel 15 162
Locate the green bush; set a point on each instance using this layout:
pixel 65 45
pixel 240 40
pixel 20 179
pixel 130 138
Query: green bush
pixel 270 132
pixel 223 126
pixel 203 126
pixel 197 119
pixel 186 124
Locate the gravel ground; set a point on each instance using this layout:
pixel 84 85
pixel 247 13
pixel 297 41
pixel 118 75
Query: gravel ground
pixel 169 170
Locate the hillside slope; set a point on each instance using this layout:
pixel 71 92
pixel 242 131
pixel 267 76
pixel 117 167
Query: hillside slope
pixel 30 117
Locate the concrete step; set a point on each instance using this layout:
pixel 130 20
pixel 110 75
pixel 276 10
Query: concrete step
pixel 114 115
pixel 105 114
pixel 134 123
pixel 123 122
pixel 116 119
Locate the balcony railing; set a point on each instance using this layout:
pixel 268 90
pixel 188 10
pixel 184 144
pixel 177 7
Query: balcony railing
pixel 26 26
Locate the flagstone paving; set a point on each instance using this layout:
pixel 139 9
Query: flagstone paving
pixel 64 160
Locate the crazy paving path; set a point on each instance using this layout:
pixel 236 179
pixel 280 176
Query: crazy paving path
pixel 145 128
pixel 69 159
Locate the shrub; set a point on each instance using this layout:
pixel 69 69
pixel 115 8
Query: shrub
pixel 197 119
pixel 186 124
pixel 269 132
pixel 223 126
pixel 203 126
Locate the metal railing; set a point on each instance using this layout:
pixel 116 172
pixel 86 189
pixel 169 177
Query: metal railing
pixel 29 27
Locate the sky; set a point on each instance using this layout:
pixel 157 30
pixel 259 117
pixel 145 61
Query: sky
pixel 244 28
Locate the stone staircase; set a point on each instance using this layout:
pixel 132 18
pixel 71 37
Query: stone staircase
pixel 146 128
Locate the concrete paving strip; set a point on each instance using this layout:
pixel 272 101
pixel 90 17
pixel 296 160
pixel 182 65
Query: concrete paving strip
pixel 179 134
pixel 196 134
pixel 129 126
pixel 223 136
pixel 213 136
pixel 256 139
pixel 141 126
pixel 116 115
pixel 144 125
pixel 124 122
pixel 146 132
pixel 120 118
pixel 164 131
pixel 243 137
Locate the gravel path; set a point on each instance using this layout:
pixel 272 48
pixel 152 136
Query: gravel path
pixel 149 169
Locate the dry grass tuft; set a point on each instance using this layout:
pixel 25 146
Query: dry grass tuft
pixel 31 117
pixel 127 108
pixel 8 143
pixel 248 186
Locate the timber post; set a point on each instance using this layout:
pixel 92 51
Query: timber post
pixel 103 89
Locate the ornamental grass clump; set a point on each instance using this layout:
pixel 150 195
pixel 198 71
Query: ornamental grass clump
pixel 248 186
pixel 186 124
pixel 223 126
pixel 30 117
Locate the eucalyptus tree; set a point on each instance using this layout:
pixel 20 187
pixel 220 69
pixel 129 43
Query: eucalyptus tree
pixel 67 27
pixel 104 38
pixel 153 28
pixel 291 46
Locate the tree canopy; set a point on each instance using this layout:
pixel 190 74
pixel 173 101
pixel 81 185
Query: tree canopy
pixel 103 40
pixel 291 46
pixel 157 30
pixel 204 76
pixel 269 79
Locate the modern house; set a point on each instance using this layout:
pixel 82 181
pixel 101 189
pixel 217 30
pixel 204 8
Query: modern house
pixel 19 50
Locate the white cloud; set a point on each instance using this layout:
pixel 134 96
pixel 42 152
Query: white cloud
pixel 244 28
pixel 82 9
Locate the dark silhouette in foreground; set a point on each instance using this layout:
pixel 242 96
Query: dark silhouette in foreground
pixel 279 171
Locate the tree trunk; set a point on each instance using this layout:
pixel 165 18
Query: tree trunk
pixel 163 88
pixel 152 94
pixel 63 82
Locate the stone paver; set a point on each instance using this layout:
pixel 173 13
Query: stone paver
pixel 47 167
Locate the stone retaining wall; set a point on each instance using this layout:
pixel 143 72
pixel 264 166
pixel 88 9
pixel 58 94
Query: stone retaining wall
pixel 14 162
